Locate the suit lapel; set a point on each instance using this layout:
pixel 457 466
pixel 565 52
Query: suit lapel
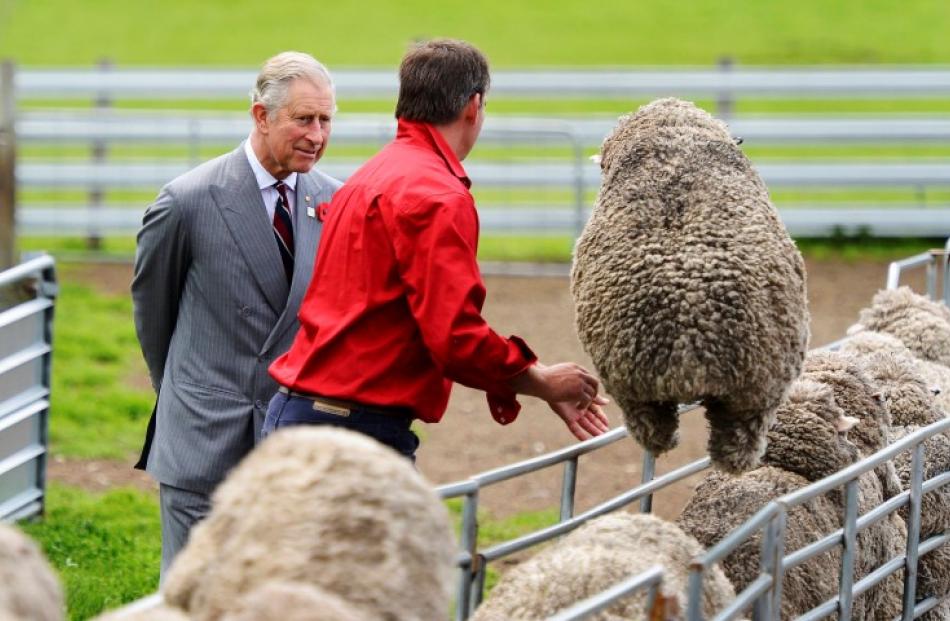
pixel 242 208
pixel 306 238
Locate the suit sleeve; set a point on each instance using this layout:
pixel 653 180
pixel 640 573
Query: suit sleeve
pixel 435 244
pixel 162 258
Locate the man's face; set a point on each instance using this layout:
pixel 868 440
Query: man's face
pixel 295 136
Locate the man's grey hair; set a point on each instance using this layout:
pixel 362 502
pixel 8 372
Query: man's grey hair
pixel 280 71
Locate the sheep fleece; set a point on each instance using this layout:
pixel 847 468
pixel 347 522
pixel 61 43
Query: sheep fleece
pixel 686 284
pixel 326 507
pixel 598 555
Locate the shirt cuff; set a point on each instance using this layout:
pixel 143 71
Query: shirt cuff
pixel 504 408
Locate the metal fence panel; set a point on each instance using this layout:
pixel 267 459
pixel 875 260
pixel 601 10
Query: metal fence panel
pixel 27 292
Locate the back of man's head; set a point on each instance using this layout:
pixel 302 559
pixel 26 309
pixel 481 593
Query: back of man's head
pixel 437 78
pixel 280 71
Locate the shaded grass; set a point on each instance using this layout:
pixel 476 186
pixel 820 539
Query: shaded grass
pixel 106 548
pixel 95 411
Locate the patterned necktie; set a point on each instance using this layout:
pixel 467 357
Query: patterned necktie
pixel 284 230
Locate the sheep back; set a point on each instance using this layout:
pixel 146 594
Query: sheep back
pixel 292 601
pixel 920 323
pixel 327 507
pixel 598 555
pixel 29 588
pixel 686 284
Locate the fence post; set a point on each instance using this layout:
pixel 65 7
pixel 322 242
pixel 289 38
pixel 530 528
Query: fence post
pixel 7 166
pixel 97 194
pixel 725 103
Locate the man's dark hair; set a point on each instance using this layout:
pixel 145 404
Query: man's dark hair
pixel 437 78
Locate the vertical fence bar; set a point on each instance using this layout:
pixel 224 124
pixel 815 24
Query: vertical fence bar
pixel 913 533
pixel 694 610
pixel 946 272
pixel 49 290
pixel 725 104
pixel 579 164
pixel 777 570
pixel 478 586
pixel 7 166
pixel 770 562
pixel 97 194
pixel 649 471
pixel 932 279
pixel 469 543
pixel 568 487
pixel 846 583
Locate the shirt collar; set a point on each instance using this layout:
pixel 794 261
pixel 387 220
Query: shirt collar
pixel 415 131
pixel 264 178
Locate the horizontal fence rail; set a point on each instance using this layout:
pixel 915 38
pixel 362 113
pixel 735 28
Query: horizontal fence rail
pixel 789 82
pixel 115 126
pixel 27 296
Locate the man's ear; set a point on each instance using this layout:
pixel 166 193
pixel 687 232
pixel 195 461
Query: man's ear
pixel 470 112
pixel 259 114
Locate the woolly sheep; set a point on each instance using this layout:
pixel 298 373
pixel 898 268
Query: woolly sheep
pixel 290 601
pixel 686 285
pixel 857 394
pixel 29 589
pixel 934 568
pixel 907 397
pixel 920 323
pixel 867 342
pixel 804 446
pixel 598 555
pixel 158 613
pixel 326 507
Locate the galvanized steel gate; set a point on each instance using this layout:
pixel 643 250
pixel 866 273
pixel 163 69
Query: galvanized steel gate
pixel 27 294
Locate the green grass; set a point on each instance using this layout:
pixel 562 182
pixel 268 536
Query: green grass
pixel 106 547
pixel 534 32
pixel 95 412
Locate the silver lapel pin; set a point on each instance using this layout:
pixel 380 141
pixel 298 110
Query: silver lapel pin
pixel 311 212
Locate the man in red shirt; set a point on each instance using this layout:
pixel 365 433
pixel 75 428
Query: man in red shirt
pixel 392 314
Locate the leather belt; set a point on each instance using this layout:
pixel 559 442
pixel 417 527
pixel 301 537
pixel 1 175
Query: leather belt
pixel 342 407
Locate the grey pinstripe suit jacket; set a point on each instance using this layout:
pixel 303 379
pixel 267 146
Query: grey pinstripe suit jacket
pixel 213 309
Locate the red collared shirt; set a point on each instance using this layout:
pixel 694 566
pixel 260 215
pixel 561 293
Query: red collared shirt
pixel 393 314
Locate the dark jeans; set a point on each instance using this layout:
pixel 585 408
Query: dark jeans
pixel 389 429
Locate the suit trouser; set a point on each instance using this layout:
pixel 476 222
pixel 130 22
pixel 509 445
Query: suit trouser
pixel 181 509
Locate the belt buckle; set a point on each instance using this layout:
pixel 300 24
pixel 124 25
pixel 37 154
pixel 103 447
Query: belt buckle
pixel 327 408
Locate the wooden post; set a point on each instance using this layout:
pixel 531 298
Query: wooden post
pixel 725 102
pixel 7 166
pixel 99 152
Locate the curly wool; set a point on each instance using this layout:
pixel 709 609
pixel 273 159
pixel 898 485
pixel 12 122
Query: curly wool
pixel 863 342
pixel 920 323
pixel 325 507
pixel 598 555
pixel 908 398
pixel 722 502
pixel 857 394
pixel 804 438
pixel 804 446
pixel 934 568
pixel 686 284
pixel 29 588
pixel 292 601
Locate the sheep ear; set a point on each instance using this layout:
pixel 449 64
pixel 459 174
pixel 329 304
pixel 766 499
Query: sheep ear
pixel 855 329
pixel 844 423
pixel 596 158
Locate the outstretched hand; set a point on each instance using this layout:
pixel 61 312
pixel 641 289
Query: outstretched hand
pixel 583 422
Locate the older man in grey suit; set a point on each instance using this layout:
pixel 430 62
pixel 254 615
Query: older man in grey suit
pixel 224 257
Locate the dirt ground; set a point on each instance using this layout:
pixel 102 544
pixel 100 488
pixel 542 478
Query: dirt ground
pixel 468 441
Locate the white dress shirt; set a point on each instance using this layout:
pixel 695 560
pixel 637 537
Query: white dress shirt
pixel 266 181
